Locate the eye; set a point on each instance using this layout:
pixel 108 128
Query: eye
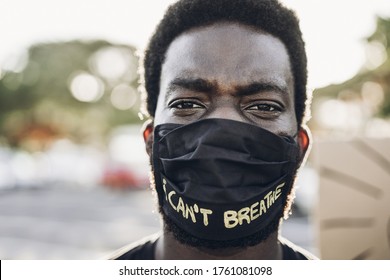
pixel 185 105
pixel 186 108
pixel 264 108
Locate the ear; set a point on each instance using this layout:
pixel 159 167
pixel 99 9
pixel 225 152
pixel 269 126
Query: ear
pixel 147 132
pixel 304 142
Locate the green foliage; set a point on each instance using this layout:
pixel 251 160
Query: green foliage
pixel 379 75
pixel 40 95
pixel 382 32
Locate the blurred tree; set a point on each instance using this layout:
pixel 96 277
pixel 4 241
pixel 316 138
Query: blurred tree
pixel 381 38
pixel 77 89
pixel 371 86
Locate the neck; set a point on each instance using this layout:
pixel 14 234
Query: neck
pixel 168 248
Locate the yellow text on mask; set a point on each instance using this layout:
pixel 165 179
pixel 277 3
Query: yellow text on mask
pixel 188 211
pixel 233 218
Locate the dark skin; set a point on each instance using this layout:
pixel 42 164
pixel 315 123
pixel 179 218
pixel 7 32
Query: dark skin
pixel 229 71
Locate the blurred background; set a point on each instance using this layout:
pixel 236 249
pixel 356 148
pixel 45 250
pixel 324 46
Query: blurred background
pixel 73 168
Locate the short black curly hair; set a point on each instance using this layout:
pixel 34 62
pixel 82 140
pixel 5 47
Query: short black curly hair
pixel 267 15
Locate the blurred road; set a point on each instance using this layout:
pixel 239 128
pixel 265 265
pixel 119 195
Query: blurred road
pixel 69 222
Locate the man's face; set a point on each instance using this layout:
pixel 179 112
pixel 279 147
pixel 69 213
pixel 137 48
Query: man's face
pixel 228 71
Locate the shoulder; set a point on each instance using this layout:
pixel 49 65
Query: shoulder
pixel 140 250
pixel 294 252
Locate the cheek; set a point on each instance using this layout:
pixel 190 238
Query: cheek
pixel 160 114
pixel 284 125
pixel 289 122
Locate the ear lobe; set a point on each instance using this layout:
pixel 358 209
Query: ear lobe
pixel 147 133
pixel 304 142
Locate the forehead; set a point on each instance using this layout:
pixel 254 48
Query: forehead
pixel 230 54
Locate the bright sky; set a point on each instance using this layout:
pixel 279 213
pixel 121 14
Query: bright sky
pixel 333 29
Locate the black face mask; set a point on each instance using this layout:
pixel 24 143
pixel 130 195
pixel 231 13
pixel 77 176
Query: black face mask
pixel 220 179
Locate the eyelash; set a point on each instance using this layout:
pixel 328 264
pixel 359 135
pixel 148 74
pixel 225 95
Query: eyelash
pixel 271 107
pixel 176 103
pixel 256 109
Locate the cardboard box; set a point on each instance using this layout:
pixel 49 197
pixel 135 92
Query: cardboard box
pixel 353 212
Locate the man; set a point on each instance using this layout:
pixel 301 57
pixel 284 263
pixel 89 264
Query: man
pixel 226 91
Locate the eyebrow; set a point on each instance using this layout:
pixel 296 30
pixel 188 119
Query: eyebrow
pixel 257 87
pixel 205 86
pixel 197 84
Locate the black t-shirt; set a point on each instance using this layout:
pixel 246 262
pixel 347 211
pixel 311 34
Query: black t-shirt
pixel 144 250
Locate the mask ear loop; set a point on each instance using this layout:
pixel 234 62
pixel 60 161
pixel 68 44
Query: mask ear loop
pixel 291 139
pixel 156 165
